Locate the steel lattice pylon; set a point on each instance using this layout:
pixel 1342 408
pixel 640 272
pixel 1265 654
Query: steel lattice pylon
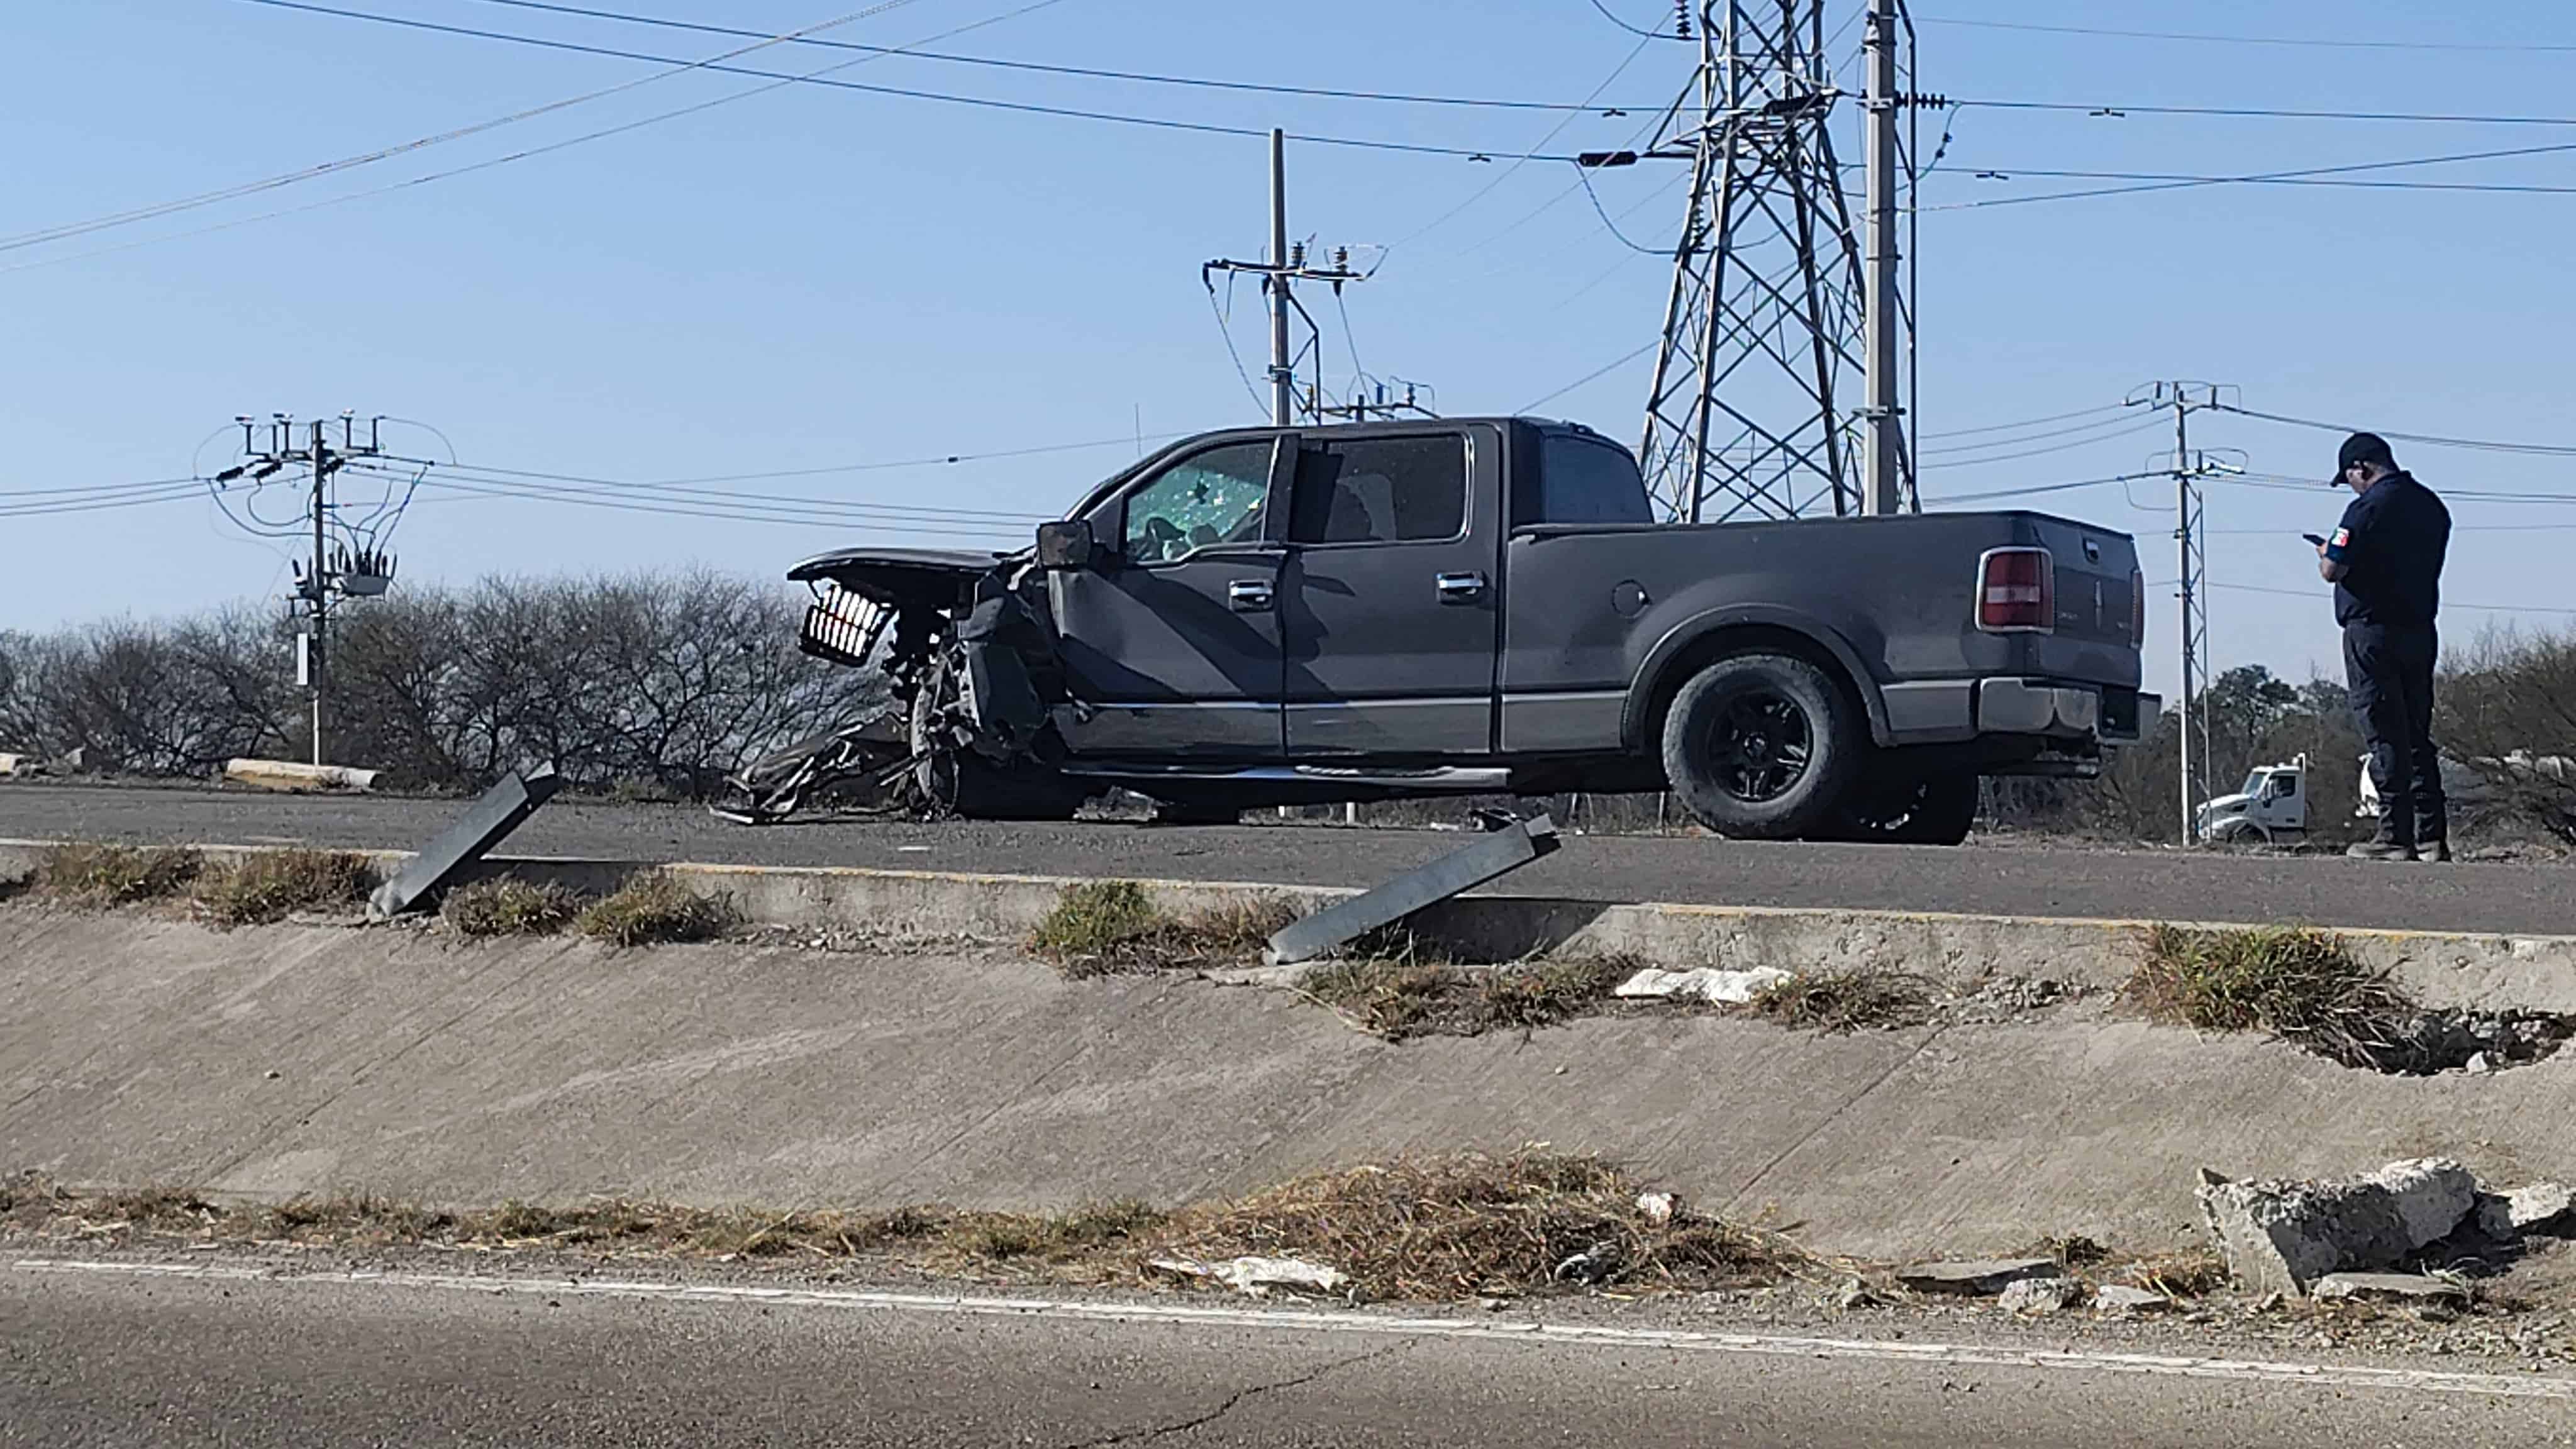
pixel 1755 406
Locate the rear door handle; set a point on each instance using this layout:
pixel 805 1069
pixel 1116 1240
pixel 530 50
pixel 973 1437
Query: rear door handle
pixel 1248 596
pixel 1460 588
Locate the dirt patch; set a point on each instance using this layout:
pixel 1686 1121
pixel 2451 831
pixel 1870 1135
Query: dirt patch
pixel 266 887
pixel 507 906
pixel 1112 928
pixel 654 908
pixel 1426 1230
pixel 98 877
pixel 2305 987
pixel 1410 994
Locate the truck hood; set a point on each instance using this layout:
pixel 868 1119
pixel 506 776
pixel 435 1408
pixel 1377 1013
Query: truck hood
pixel 2225 804
pixel 894 575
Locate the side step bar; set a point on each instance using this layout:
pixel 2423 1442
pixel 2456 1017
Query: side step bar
pixel 1462 780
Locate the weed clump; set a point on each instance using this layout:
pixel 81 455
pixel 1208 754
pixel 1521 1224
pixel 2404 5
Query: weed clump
pixel 1410 994
pixel 268 886
pixel 1845 1001
pixel 101 876
pixel 654 909
pixel 2300 985
pixel 1112 927
pixel 508 906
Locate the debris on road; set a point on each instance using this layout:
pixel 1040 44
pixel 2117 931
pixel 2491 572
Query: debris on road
pixel 1260 1277
pixel 1659 1207
pixel 489 822
pixel 290 776
pixel 1495 855
pixel 1979 1279
pixel 2389 1287
pixel 2040 1296
pixel 2533 1209
pixel 1707 983
pixel 2121 1298
pixel 2284 1235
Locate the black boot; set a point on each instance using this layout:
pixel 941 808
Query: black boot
pixel 2380 850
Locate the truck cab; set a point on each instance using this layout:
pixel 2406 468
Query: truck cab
pixel 2271 809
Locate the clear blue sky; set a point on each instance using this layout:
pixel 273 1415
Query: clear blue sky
pixel 810 278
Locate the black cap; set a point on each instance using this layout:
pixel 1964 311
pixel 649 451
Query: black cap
pixel 2361 448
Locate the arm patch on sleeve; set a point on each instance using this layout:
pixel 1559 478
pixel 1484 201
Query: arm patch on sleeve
pixel 2338 545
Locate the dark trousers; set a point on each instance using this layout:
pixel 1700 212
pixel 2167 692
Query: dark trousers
pixel 2390 673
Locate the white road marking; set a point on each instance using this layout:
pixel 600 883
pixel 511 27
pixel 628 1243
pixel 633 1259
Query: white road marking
pixel 2529 1386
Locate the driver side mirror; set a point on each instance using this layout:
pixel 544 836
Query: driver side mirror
pixel 1065 544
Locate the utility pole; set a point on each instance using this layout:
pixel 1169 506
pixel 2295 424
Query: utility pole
pixel 1283 375
pixel 1285 266
pixel 1884 467
pixel 1776 309
pixel 365 572
pixel 2191 558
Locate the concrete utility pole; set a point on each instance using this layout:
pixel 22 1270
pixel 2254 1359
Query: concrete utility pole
pixel 1883 465
pixel 2191 584
pixel 1283 375
pixel 317 583
pixel 1286 265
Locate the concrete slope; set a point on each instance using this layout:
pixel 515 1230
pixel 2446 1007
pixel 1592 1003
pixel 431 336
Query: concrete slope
pixel 307 1059
pixel 2022 879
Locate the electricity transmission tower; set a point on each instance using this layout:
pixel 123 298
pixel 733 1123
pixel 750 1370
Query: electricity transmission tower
pixel 1784 383
pixel 355 569
pixel 2190 467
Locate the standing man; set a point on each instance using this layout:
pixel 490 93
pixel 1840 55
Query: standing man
pixel 2385 561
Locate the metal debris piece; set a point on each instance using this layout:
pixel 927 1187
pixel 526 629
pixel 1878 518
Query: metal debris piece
pixel 1260 1276
pixel 1976 1279
pixel 1497 854
pixel 485 825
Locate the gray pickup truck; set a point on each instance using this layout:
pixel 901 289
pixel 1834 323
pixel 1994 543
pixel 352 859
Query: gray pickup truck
pixel 1485 605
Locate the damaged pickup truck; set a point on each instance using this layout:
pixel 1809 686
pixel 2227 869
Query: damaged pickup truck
pixel 1272 616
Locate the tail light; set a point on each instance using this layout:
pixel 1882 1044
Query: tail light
pixel 2137 608
pixel 2017 591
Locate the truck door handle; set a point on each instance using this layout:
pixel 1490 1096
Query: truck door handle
pixel 1248 596
pixel 1460 588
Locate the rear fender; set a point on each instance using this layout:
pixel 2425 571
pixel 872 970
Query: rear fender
pixel 1694 642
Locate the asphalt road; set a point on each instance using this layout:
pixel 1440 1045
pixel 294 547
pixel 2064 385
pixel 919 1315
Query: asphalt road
pixel 2016 879
pixel 115 1358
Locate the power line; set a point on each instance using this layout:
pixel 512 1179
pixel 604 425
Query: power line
pixel 2489 445
pixel 819 78
pixel 2153 182
pixel 800 518
pixel 2027 422
pixel 1085 72
pixel 2120 109
pixel 1612 16
pixel 2303 41
pixel 2037 489
pixel 1599 372
pixel 505 159
pixel 2122 423
pixel 2126 428
pixel 329 168
pixel 616 488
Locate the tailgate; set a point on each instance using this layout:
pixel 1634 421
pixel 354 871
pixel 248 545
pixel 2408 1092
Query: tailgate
pixel 2095 641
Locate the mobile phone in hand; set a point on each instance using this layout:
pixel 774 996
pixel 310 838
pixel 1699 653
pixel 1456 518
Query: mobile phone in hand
pixel 2314 538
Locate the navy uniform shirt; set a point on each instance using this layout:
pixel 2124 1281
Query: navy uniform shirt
pixel 2391 544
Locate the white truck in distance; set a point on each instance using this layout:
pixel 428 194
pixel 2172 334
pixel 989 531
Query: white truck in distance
pixel 2272 808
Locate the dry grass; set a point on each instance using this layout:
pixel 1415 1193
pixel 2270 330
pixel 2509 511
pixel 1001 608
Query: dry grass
pixel 2193 1274
pixel 1414 993
pixel 654 908
pixel 100 876
pixel 1111 927
pixel 1845 1001
pixel 2300 985
pixel 507 906
pixel 268 886
pixel 1428 1229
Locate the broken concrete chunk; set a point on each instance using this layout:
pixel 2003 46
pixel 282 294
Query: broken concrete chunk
pixel 1260 1276
pixel 2040 1295
pixel 2283 1235
pixel 294 776
pixel 1707 983
pixel 2121 1298
pixel 2389 1288
pixel 1980 1279
pixel 2540 1205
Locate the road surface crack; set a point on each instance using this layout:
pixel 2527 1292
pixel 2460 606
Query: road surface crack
pixel 1253 1391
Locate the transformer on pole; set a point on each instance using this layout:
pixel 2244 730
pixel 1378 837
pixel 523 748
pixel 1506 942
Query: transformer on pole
pixel 1783 386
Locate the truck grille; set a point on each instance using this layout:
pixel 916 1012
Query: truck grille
pixel 842 626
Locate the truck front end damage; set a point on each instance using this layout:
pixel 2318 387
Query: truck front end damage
pixel 970 668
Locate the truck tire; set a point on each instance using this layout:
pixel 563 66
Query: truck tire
pixel 960 782
pixel 1762 746
pixel 1910 810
